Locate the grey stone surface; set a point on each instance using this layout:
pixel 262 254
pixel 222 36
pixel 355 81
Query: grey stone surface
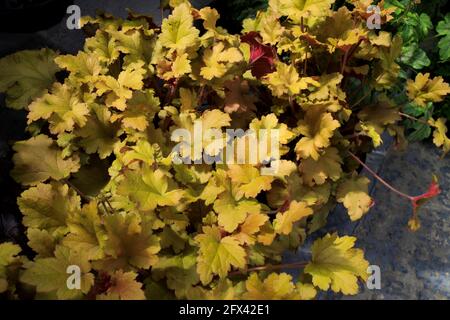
pixel 414 265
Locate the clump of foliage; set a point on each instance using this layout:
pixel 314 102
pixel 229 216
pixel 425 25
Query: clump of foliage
pixel 104 194
pixel 426 48
pixel 424 29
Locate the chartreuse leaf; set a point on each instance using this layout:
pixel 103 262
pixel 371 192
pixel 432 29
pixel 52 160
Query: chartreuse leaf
pixel 232 212
pixel 26 75
pixel 99 135
pixel 83 67
pixel 63 109
pixel 86 233
pixel 133 43
pixel 141 109
pixel 353 193
pixel 47 206
pixel 130 243
pixel 150 188
pixel 336 264
pixel 217 255
pixel 103 46
pixel 178 31
pixel 180 67
pixel 387 72
pixel 50 274
pixel 224 290
pixel 38 159
pixel 423 89
pixel 118 91
pixel 8 256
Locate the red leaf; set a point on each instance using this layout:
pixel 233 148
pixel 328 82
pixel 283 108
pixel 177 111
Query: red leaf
pixel 261 56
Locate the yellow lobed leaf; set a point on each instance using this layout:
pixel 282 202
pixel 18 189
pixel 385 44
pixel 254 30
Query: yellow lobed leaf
pixel 219 60
pixel 217 255
pixel 103 46
pixel 440 138
pixel 336 264
pixel 86 233
pixel 286 81
pixel 99 135
pixel 284 221
pixel 119 90
pixel 149 188
pixel 130 243
pixel 298 9
pixel 250 227
pixel 231 213
pixel 63 108
pixel 124 286
pixel 317 127
pixel 41 241
pixel 249 180
pixel 328 166
pixel 178 31
pixel 84 67
pixel 274 287
pixel 423 89
pixel 353 193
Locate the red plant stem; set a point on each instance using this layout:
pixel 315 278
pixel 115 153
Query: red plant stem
pixel 272 267
pixel 353 49
pixel 404 195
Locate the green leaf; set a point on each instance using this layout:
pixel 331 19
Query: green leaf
pixel 443 29
pixel 414 56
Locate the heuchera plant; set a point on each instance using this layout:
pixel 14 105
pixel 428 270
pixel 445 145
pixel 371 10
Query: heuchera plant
pixel 105 199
